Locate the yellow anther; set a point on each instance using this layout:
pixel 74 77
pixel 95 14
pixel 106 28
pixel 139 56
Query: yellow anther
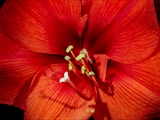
pixel 80 56
pixel 70 67
pixel 70 47
pixel 83 69
pixel 91 73
pixel 67 58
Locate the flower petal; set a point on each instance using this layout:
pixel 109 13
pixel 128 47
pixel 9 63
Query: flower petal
pixel 146 73
pixel 131 100
pixel 136 92
pixel 42 25
pixel 82 24
pixel 17 68
pixel 51 99
pixel 127 31
pixel 101 65
pixel 86 5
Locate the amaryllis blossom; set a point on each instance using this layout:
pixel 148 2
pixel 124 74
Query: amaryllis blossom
pixel 71 59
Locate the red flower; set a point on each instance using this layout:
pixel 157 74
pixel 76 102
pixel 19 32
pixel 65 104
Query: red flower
pixel 111 47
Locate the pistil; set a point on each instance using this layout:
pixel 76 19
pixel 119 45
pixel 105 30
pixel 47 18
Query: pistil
pixel 67 79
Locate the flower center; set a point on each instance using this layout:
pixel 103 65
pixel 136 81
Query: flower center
pixel 81 66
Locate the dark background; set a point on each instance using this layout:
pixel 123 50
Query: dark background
pixel 1 2
pixel 12 113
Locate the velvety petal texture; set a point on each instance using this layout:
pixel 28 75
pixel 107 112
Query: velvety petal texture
pixel 127 30
pixel 17 68
pixel 137 92
pixel 51 99
pixel 43 26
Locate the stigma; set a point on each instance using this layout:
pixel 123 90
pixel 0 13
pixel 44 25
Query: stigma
pixel 65 78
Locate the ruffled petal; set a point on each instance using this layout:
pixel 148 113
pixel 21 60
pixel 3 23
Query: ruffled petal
pixel 136 92
pixel 42 25
pixel 50 98
pixel 17 68
pixel 126 30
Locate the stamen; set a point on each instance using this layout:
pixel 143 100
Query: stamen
pixel 67 58
pixel 70 67
pixel 91 73
pixel 80 56
pixel 85 65
pixel 73 55
pixel 70 47
pixel 83 69
pixel 75 70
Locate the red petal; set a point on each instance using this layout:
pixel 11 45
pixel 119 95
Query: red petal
pixel 101 62
pixel 86 5
pixel 50 99
pixel 17 67
pixel 41 25
pixel 81 24
pixel 131 100
pixel 146 73
pixel 127 31
pixel 136 92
